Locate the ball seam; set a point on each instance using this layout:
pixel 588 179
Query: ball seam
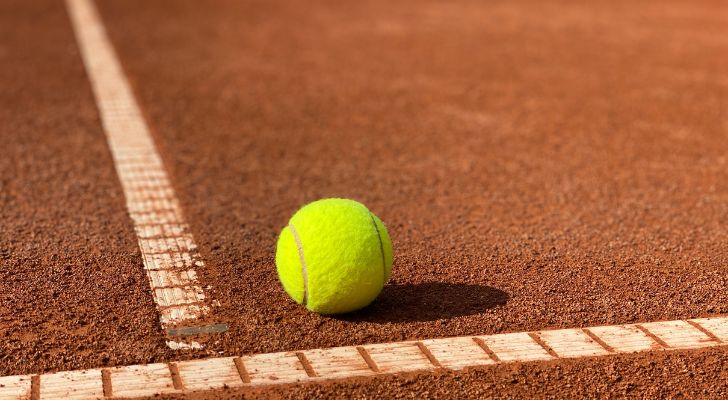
pixel 304 270
pixel 381 249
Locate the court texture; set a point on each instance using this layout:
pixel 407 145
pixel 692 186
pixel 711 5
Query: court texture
pixel 553 175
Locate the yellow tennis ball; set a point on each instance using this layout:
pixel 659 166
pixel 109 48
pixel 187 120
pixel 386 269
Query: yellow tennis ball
pixel 334 256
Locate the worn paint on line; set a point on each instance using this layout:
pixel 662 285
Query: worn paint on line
pixel 197 330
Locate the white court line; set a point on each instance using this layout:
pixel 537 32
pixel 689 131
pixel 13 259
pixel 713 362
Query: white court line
pixel 318 365
pixel 168 249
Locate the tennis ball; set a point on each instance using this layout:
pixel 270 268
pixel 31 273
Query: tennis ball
pixel 334 256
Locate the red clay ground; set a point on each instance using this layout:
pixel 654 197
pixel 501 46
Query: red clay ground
pixel 537 165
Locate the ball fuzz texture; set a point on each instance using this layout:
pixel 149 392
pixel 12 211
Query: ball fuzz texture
pixel 334 256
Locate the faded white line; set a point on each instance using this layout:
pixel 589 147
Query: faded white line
pixel 370 360
pixel 168 249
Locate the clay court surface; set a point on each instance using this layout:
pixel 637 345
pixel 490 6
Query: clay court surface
pixel 539 165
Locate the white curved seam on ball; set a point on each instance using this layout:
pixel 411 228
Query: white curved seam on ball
pixel 304 270
pixel 381 249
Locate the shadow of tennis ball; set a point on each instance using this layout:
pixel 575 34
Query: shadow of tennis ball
pixel 417 302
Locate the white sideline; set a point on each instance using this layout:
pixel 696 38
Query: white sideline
pixel 168 249
pixel 367 360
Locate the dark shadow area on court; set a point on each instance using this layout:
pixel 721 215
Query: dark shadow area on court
pixel 428 302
